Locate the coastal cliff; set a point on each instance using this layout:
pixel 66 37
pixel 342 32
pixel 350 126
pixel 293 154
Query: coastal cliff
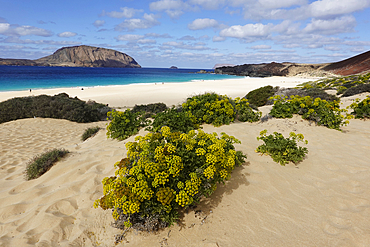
pixel 79 56
pixel 354 65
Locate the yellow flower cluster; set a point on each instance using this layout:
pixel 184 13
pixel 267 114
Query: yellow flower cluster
pixel 165 195
pixel 209 171
pixel 200 151
pixel 160 179
pixel 183 199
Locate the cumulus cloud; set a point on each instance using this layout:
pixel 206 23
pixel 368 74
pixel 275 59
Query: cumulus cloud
pixel 146 41
pixel 330 8
pixel 124 13
pixel 181 45
pixel 261 47
pixel 173 8
pixel 343 24
pixel 146 22
pixel 99 23
pixel 208 4
pixel 218 39
pixel 67 34
pixel 16 30
pixel 273 4
pixel 187 37
pixel 156 35
pixel 199 24
pixel 129 37
pixel 246 31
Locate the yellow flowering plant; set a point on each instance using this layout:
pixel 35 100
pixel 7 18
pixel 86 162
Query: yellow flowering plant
pixel 167 171
pixel 218 110
pixel 361 109
pixel 326 113
pixel 282 150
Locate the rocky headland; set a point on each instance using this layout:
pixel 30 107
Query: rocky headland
pixel 354 65
pixel 79 56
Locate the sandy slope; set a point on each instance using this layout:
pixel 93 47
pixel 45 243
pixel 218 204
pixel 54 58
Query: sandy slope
pixel 324 201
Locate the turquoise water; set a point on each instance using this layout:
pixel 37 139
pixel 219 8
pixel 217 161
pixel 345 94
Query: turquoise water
pixel 15 78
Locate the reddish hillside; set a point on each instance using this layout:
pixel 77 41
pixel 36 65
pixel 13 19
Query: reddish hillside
pixel 350 66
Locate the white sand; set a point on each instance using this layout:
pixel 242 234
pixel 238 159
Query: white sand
pixel 169 93
pixel 324 201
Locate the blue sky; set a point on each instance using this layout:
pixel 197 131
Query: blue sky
pixel 190 33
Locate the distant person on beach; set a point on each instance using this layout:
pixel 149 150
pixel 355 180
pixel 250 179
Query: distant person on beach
pixel 30 90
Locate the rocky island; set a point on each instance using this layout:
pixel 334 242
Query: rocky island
pixel 79 56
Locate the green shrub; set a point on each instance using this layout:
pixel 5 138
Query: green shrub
pixel 176 120
pixel 124 124
pixel 89 132
pixel 282 150
pixel 218 110
pixel 320 111
pixel 164 172
pixel 259 97
pixel 361 109
pixel 361 88
pixel 150 109
pixel 244 112
pixel 43 162
pixel 60 106
pixel 210 108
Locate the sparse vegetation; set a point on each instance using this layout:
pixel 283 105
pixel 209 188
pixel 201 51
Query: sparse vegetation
pixel 259 97
pixel 43 162
pixel 60 106
pixel 150 109
pixel 89 132
pixel 361 109
pixel 282 150
pixel 164 172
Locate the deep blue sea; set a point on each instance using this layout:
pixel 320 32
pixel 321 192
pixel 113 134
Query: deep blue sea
pixel 15 78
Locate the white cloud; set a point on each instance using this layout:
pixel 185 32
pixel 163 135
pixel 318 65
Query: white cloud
pixel 173 8
pixel 208 4
pixel 187 37
pixel 199 24
pixel 343 24
pixel 330 8
pixel 129 37
pixel 273 4
pixel 67 34
pixel 148 21
pixel 146 41
pixel 182 45
pixel 4 27
pixel 246 31
pixel 124 13
pixel 218 39
pixel 156 35
pixel 166 4
pixel 261 47
pixel 99 23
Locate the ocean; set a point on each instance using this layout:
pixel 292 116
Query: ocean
pixel 16 78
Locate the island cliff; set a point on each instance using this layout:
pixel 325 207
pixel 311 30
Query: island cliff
pixel 79 56
pixel 354 65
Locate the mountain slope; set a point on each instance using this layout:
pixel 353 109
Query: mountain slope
pixel 80 56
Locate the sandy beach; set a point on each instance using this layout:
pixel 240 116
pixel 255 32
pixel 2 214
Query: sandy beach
pixel 169 93
pixel 323 201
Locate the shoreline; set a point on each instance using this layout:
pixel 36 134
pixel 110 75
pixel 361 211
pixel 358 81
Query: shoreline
pixel 171 93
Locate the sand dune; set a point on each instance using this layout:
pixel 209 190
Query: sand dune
pixel 324 201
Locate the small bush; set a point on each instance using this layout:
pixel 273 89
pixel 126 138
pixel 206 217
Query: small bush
pixel 60 106
pixel 320 111
pixel 43 162
pixel 176 120
pixel 244 112
pixel 124 124
pixel 218 110
pixel 362 88
pixel 282 150
pixel 210 108
pixel 89 132
pixel 164 172
pixel 150 109
pixel 259 97
pixel 361 109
